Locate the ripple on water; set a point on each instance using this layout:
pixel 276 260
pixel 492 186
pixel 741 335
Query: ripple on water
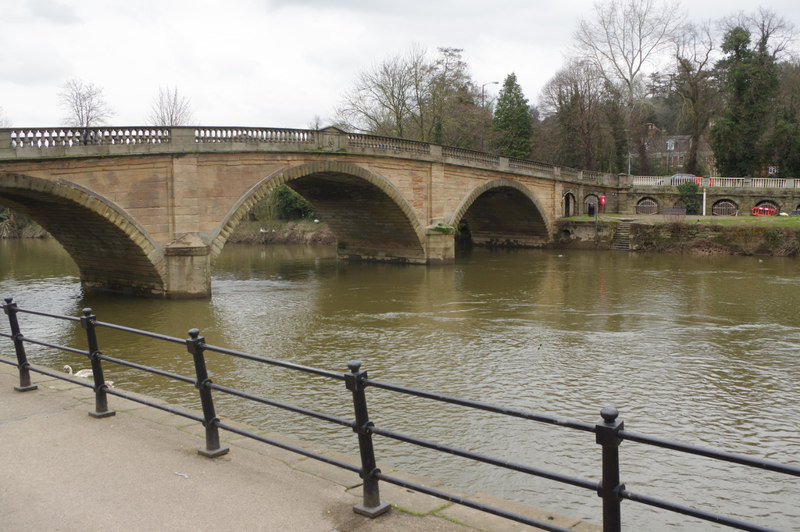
pixel 674 343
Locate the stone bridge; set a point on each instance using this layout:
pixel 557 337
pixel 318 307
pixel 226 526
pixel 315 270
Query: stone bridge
pixel 147 211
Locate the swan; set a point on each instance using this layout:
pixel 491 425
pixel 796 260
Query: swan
pixel 84 373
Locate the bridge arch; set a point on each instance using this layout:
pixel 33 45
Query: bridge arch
pixel 369 217
pixel 112 251
pixel 503 212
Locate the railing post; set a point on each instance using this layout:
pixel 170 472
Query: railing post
pixel 607 435
pixel 100 397
pixel 196 345
pixel 22 359
pixel 372 505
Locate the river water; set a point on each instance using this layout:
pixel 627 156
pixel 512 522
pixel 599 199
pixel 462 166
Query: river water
pixel 703 350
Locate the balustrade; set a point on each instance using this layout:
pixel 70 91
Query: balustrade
pixel 267 135
pixel 73 139
pixel 470 156
pixel 373 142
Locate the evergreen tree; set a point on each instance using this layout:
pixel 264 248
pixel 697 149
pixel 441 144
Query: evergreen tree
pixel 750 79
pixel 512 119
pixel 785 138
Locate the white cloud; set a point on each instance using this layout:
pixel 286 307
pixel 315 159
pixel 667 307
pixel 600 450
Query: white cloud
pixel 271 63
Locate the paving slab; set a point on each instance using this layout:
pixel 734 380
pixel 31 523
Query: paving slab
pixel 62 469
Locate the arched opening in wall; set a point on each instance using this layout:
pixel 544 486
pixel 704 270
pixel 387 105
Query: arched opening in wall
pixel 569 205
pixel 647 206
pixel 724 207
pixel 590 204
pixel 769 204
pixel 501 214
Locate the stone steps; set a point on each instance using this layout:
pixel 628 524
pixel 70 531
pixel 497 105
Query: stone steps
pixel 622 237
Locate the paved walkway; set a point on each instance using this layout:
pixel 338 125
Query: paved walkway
pixel 61 469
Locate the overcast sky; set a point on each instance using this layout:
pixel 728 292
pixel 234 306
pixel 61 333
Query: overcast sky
pixel 274 63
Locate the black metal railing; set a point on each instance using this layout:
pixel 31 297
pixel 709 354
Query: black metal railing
pixel 609 431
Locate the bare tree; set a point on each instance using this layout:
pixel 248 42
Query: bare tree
pixel 414 97
pixel 85 104
pixel 574 97
pixel 4 120
pixel 625 37
pixel 382 100
pixel 170 108
pixel 316 123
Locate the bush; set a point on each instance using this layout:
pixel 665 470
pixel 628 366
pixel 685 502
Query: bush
pixel 690 197
pixel 282 203
pixel 289 205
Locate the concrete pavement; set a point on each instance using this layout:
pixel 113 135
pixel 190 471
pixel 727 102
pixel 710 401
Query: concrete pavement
pixel 61 469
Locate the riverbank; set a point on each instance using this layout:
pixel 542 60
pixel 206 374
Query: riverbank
pixel 278 232
pixel 697 235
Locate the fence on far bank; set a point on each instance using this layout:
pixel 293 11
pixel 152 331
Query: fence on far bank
pixel 609 432
pixel 718 182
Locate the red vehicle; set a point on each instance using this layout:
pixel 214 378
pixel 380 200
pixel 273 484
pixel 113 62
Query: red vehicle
pixel 763 211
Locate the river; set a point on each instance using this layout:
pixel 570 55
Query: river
pixel 703 350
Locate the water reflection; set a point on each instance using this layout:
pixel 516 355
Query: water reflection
pixel 699 349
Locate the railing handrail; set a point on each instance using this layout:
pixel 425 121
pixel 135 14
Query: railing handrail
pixel 609 432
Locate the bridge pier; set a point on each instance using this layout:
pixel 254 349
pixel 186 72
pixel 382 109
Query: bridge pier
pixel 188 261
pixel 440 244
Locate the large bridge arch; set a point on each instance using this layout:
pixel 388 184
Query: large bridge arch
pixel 504 212
pixel 369 217
pixel 112 251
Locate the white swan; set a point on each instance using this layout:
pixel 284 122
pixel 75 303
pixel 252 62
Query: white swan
pixel 84 373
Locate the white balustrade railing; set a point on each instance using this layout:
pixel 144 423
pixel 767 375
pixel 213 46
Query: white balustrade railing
pixel 649 180
pixel 736 182
pixel 54 137
pixel 252 134
pixel 768 182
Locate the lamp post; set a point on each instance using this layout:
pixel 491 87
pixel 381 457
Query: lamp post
pixel 483 99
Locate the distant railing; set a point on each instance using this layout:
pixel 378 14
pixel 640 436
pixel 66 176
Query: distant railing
pixel 730 182
pixel 766 182
pixel 648 180
pixel 609 431
pixel 734 182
